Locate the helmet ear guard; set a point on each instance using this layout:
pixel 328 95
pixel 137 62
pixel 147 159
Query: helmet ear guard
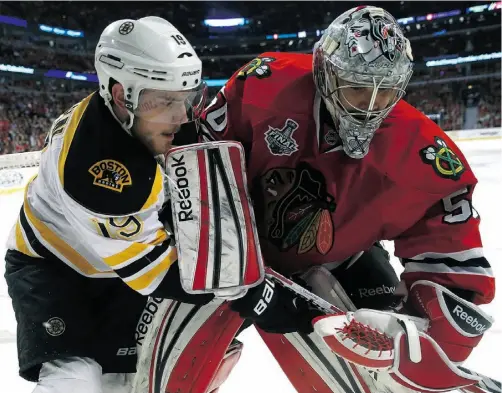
pixel 365 48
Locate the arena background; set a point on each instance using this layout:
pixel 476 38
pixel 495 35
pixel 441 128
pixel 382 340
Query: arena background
pixel 46 53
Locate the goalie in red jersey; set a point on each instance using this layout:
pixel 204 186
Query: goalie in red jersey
pixel 336 162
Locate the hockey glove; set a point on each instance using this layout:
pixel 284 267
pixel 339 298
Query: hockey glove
pixel 276 309
pixel 420 353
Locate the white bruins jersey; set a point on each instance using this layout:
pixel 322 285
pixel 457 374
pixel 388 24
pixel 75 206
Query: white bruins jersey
pixel 95 202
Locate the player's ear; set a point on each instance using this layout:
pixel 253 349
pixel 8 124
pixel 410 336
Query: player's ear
pixel 118 95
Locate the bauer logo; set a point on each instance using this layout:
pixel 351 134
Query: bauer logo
pixel 110 174
pixel 466 318
pixel 190 73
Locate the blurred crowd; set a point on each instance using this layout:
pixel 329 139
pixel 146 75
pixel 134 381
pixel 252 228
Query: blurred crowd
pixel 264 17
pixel 28 104
pixel 26 117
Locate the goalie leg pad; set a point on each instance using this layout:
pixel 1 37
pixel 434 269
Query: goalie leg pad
pixel 214 224
pixel 229 361
pixel 185 347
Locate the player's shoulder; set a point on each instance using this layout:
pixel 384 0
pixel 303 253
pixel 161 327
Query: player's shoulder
pixel 414 151
pixel 275 80
pixel 102 167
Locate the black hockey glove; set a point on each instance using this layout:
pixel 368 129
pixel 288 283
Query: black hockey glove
pixel 276 309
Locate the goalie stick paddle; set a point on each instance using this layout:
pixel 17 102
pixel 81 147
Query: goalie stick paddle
pixel 486 385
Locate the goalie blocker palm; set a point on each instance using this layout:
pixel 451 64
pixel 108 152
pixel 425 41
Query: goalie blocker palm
pixel 420 353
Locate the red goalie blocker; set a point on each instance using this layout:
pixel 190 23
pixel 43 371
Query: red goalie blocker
pixel 218 248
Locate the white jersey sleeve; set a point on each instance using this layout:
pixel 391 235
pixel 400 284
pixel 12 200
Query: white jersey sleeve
pixel 95 202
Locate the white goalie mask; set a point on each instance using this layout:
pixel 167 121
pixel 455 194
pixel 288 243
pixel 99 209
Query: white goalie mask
pixel 157 67
pixel 362 65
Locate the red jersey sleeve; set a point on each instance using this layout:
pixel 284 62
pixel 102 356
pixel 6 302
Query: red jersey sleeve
pixel 444 245
pixel 225 117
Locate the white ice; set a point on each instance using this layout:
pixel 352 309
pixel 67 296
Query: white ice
pixel 257 369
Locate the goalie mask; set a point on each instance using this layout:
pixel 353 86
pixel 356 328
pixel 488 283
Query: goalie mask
pixel 362 65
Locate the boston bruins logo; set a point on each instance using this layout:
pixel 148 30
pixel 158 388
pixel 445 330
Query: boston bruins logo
pixel 110 174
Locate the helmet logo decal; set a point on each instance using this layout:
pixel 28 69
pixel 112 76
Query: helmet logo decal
pixel 126 27
pixel 371 36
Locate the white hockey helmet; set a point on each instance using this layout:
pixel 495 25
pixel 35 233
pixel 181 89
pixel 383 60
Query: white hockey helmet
pixel 363 49
pixel 157 67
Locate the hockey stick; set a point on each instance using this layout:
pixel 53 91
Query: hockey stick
pixel 486 385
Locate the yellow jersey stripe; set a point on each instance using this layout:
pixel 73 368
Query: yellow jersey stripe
pixel 135 249
pixel 21 243
pixel 160 237
pixel 60 245
pixel 156 189
pixel 71 128
pixel 146 279
pixel 130 252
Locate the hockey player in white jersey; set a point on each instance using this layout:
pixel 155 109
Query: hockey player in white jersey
pixel 90 241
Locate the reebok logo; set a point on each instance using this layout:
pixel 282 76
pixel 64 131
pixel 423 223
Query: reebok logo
pixel 381 290
pixel 466 318
pixel 471 321
pixel 151 308
pixel 185 204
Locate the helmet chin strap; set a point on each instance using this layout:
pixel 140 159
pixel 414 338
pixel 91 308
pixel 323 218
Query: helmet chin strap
pixel 126 125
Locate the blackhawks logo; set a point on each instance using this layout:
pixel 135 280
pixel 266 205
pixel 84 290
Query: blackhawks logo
pixel 257 67
pixel 444 161
pixel 296 209
pixel 110 174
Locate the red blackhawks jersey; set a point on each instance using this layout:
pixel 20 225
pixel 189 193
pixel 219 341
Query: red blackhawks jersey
pixel 315 205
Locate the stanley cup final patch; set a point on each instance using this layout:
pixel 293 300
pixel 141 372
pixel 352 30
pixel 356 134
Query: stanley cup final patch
pixel 280 142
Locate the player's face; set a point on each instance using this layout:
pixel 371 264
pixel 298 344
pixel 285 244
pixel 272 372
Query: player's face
pixel 159 116
pixel 355 98
pixel 157 137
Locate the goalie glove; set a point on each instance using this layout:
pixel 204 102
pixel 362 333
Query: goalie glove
pixel 420 353
pixel 276 309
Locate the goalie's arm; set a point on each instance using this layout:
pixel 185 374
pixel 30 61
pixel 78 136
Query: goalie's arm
pixel 445 247
pixel 227 117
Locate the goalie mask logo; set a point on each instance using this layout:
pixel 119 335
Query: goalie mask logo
pixel 296 209
pixel 372 36
pixel 257 67
pixel 110 174
pixel 443 160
